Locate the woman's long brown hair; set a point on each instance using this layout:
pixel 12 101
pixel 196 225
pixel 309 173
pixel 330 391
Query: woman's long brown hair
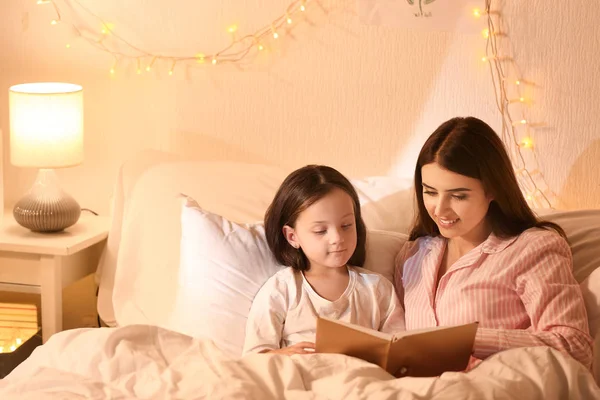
pixel 470 147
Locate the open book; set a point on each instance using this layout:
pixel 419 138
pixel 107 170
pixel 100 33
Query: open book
pixel 426 352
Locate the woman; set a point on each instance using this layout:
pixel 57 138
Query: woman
pixel 478 253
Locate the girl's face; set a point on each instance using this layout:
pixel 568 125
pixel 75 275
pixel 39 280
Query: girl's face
pixel 457 204
pixel 326 231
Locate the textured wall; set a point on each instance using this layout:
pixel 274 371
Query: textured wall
pixel 360 98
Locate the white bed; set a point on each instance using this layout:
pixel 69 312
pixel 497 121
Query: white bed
pixel 178 276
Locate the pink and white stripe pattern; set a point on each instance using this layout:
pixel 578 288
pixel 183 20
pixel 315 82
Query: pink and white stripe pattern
pixel 521 290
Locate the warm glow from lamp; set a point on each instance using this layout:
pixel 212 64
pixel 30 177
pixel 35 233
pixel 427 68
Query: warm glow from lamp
pixel 46 125
pixel 46 132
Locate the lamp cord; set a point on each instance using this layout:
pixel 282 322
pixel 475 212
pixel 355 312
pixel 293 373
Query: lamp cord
pixel 92 211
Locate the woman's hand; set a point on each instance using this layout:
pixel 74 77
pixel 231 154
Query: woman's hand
pixel 298 348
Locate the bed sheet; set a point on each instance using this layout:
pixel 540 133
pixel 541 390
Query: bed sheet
pixel 148 362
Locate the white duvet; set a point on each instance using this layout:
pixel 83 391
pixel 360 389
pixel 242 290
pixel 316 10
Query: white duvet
pixel 144 362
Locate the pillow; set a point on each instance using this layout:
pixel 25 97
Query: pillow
pixel 223 264
pixel 139 269
pixel 583 233
pixel 386 203
pixel 590 288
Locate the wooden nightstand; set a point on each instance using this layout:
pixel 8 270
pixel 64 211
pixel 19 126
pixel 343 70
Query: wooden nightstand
pixel 46 263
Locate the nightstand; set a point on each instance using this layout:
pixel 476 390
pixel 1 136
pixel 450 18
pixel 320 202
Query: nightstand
pixel 47 262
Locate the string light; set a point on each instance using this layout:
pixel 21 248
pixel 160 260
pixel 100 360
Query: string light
pixel 259 45
pixel 519 100
pixel 504 82
pixel 149 67
pixel 108 40
pixel 527 143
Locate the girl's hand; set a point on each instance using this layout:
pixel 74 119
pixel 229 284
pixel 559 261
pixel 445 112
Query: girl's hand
pixel 298 348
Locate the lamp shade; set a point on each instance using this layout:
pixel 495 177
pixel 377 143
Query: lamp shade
pixel 46 125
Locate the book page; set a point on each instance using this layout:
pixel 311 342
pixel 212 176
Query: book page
pixel 431 352
pixel 343 338
pixel 400 335
pixel 372 332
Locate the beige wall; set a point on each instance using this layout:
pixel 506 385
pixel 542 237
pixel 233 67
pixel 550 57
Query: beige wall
pixel 358 97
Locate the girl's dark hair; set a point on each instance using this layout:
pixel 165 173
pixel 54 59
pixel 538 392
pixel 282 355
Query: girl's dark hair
pixel 470 147
pixel 300 190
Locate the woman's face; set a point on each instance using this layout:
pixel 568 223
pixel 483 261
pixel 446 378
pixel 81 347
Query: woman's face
pixel 458 204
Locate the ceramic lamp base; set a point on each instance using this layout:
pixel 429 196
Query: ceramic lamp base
pixel 46 207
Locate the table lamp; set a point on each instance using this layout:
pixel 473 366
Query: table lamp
pixel 46 132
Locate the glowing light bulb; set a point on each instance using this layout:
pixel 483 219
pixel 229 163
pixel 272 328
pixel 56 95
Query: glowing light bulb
pixel 517 82
pixel 68 46
pixel 275 34
pixel 261 47
pixel 13 348
pixel 200 58
pixel 485 33
pixel 477 13
pixel 53 22
pixel 149 67
pixel 232 29
pixel 107 28
pixel 19 341
pixel 522 99
pixel 214 61
pixel 527 143
pixel 288 19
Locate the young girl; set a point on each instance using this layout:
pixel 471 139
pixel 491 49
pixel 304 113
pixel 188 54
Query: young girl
pixel 478 253
pixel 314 226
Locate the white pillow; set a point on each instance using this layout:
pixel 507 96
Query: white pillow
pixel 590 288
pixel 583 233
pixel 223 264
pixel 139 280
